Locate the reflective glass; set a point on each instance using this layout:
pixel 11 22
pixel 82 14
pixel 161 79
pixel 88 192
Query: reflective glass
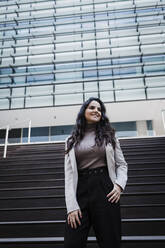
pixel 39 101
pixel 90 73
pixel 39 134
pixel 40 78
pixel 153 58
pixel 56 42
pixel 2 136
pixel 39 90
pixel 130 95
pixel 156 92
pixel 68 99
pixel 4 92
pixel 63 66
pixel 68 88
pixel 14 136
pixel 92 94
pixel 60 132
pixel 17 103
pixel 129 83
pixel 68 75
pixel 125 129
pixel 107 96
pixel 6 70
pixel 4 104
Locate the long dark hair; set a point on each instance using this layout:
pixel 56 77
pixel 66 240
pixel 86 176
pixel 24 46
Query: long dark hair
pixel 104 130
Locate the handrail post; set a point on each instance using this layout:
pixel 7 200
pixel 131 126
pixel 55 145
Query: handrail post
pixel 29 131
pixel 6 141
pixel 163 118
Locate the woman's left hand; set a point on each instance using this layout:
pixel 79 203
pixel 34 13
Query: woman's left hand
pixel 114 195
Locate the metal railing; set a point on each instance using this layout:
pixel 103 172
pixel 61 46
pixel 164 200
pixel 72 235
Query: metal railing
pixel 163 118
pixel 8 128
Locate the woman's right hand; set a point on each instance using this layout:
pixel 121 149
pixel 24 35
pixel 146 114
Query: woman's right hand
pixel 74 218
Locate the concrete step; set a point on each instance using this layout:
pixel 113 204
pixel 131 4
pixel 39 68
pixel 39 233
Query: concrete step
pixel 55 228
pixel 57 242
pixel 31 183
pixel 58 200
pixel 59 213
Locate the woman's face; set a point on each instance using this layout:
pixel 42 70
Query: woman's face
pixel 93 112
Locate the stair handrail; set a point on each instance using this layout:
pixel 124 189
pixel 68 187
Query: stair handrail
pixel 163 117
pixel 7 127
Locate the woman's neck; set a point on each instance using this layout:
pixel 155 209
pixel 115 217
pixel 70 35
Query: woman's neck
pixel 90 126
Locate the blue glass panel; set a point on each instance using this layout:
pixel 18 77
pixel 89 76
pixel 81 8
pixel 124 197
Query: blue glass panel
pixel 154 68
pixel 22 23
pixel 129 70
pixel 120 13
pixel 5 71
pixel 150 128
pixel 88 17
pixel 40 68
pixel 125 129
pixel 63 66
pixel 60 132
pixel 148 10
pixel 39 134
pixel 106 72
pixel 38 78
pixel 20 69
pixel 92 73
pixel 67 19
pixel 104 62
pixel 130 60
pixel 89 63
pixel 25 135
pixel 10 24
pixel 100 16
pixel 45 21
pixel 153 58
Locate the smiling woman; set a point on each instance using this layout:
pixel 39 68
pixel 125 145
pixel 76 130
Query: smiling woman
pixel 93 112
pixel 95 175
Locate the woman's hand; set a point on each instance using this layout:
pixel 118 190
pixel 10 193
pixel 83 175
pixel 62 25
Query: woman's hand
pixel 114 195
pixel 74 218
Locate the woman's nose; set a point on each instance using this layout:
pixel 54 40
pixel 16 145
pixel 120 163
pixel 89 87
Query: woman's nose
pixel 96 111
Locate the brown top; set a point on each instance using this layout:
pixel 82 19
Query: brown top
pixel 89 155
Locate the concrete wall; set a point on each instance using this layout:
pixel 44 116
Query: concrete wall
pixel 66 115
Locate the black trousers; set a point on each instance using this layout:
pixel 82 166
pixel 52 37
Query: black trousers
pixel 97 211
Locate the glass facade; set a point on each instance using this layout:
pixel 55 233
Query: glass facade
pixel 60 133
pixel 60 52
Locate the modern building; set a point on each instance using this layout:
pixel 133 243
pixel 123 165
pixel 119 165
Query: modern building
pixel 55 54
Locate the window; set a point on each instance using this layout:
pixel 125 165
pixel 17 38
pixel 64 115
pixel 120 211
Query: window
pixel 39 134
pixel 68 99
pixel 60 132
pixel 14 136
pixel 39 101
pixel 130 95
pixel 125 129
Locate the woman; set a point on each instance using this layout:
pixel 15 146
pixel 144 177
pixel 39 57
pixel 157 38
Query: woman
pixel 95 176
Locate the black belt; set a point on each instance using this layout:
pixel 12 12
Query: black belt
pixel 92 171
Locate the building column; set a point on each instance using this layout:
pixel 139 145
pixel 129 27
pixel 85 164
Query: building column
pixel 141 128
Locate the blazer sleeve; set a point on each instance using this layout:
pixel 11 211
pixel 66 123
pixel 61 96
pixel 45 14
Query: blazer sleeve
pixel 121 166
pixel 70 192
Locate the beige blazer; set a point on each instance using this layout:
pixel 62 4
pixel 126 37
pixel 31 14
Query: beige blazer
pixel 117 169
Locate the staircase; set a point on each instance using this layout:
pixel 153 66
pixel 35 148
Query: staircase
pixel 32 207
